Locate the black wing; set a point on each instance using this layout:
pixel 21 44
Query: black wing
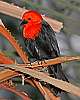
pixel 52 45
pixel 46 47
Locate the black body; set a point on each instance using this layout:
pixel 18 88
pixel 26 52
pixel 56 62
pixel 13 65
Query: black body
pixel 45 47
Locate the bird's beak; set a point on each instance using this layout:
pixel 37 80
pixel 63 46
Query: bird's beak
pixel 23 22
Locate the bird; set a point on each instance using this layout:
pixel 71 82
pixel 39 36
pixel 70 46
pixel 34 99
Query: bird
pixel 41 44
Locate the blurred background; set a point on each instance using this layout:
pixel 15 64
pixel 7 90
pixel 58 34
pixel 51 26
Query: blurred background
pixel 66 11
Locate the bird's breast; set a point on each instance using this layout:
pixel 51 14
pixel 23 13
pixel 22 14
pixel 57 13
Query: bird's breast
pixel 32 32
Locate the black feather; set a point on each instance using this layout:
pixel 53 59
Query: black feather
pixel 46 47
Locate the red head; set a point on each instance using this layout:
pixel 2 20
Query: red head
pixel 32 23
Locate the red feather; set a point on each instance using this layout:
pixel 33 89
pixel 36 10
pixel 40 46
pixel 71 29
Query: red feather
pixel 32 29
pixel 32 32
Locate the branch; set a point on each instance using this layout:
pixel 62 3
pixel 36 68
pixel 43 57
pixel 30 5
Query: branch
pixel 17 12
pixel 23 95
pixel 46 92
pixel 7 74
pixel 35 65
pixel 5 60
pixel 68 87
pixel 42 90
pixel 10 38
pixel 53 61
pixel 51 96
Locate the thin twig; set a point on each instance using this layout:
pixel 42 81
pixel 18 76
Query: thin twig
pixel 54 61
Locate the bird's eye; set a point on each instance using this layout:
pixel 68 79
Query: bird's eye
pixel 29 18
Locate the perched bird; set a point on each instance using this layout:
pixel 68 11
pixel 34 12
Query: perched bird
pixel 41 44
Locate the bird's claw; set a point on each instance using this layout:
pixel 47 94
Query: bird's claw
pixel 41 62
pixel 29 63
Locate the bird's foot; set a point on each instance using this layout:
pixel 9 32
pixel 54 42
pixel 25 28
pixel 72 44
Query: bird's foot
pixel 40 62
pixel 29 63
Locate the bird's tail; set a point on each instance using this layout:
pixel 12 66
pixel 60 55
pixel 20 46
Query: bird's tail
pixel 56 72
